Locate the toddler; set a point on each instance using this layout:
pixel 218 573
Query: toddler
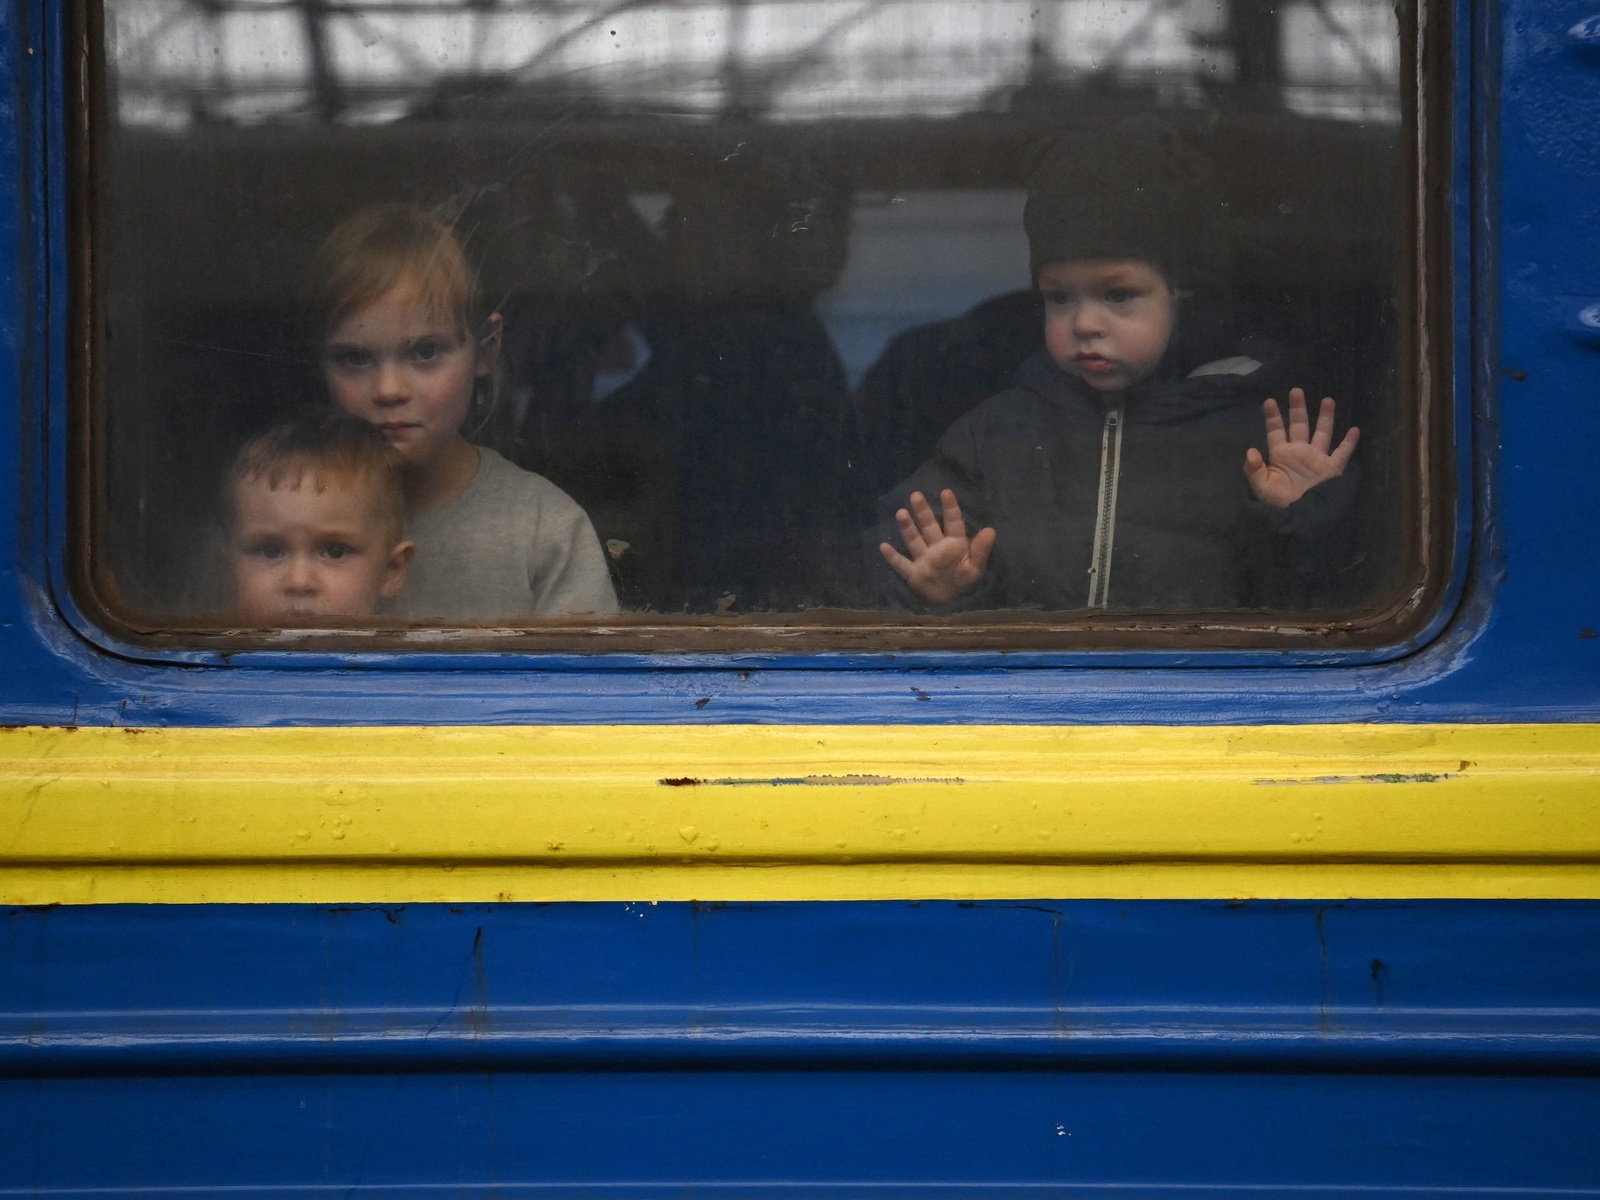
pixel 1109 475
pixel 403 348
pixel 315 521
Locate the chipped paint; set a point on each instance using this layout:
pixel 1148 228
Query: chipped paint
pixel 1385 777
pixel 810 781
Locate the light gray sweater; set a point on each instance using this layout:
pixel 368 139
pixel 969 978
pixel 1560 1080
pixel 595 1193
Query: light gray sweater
pixel 511 545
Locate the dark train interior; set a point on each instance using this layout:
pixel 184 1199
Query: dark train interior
pixel 727 331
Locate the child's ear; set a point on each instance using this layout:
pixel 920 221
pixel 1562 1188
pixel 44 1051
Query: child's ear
pixel 395 573
pixel 489 344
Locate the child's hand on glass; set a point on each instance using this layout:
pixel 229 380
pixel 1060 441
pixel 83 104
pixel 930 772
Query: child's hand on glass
pixel 944 562
pixel 1297 459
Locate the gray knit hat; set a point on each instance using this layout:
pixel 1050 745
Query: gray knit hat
pixel 1134 189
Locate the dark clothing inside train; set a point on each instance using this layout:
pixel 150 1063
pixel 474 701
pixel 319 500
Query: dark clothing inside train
pixel 1146 486
pixel 741 423
pixel 928 376
pixel 717 455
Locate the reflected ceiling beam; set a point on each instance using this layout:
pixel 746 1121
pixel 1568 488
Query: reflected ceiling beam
pixel 183 57
pixel 325 91
pixel 178 14
pixel 562 40
pixel 1256 33
pixel 734 101
pixel 771 80
pixel 1371 72
pixel 1116 55
pixel 481 11
pixel 403 8
pixel 372 34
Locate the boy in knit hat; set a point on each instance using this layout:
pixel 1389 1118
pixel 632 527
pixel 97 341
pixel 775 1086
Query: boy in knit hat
pixel 1122 468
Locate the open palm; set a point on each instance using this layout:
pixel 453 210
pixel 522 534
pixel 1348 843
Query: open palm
pixel 1298 458
pixel 944 563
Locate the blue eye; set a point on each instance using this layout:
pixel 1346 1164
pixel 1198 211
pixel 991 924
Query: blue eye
pixel 337 550
pixel 266 548
pixel 1121 295
pixel 426 350
pixel 1057 299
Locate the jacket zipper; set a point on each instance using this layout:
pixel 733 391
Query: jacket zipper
pixel 1105 518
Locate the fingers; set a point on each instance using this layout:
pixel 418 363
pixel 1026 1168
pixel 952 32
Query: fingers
pixel 954 526
pixel 1299 423
pixel 979 548
pixel 1323 437
pixel 902 565
pixel 910 535
pixel 1255 472
pixel 927 523
pixel 1274 418
pixel 1345 449
pixel 920 528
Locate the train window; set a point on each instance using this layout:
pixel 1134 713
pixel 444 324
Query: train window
pixel 731 324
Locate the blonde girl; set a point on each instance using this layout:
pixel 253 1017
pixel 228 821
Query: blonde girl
pixel 402 347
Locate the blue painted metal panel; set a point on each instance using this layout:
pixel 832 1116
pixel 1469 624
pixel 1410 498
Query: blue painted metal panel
pixel 912 1050
pixel 742 1049
pixel 859 1133
pixel 1517 645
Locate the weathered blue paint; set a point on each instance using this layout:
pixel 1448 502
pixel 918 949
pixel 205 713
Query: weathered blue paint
pixel 1078 1049
pixel 622 1048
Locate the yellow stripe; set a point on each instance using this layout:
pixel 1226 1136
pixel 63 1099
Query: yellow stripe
pixel 804 813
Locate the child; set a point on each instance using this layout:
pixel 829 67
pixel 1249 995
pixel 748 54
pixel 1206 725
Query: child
pixel 402 348
pixel 315 521
pixel 1109 475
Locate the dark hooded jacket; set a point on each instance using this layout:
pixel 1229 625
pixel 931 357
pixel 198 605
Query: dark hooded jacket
pixel 1156 472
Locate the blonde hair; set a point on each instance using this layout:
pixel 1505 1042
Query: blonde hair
pixel 379 248
pixel 319 444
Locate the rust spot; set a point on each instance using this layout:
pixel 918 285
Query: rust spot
pixel 1587 633
pixel 809 781
pixel 1382 777
pixel 702 702
pixel 1519 376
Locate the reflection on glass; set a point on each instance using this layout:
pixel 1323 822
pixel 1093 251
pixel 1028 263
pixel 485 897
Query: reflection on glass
pixel 749 262
pixel 251 61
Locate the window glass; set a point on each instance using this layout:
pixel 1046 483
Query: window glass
pixel 846 314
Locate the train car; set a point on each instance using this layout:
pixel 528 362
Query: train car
pixel 763 887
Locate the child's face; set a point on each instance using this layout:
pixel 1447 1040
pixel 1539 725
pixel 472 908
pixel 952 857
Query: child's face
pixel 1107 321
pixel 298 552
pixel 408 370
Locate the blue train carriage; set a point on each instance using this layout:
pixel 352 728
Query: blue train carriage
pixel 759 903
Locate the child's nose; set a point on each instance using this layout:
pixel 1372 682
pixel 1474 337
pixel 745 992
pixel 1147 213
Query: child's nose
pixel 390 387
pixel 1088 319
pixel 300 575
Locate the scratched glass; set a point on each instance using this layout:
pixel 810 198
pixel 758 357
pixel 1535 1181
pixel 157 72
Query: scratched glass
pixel 750 273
